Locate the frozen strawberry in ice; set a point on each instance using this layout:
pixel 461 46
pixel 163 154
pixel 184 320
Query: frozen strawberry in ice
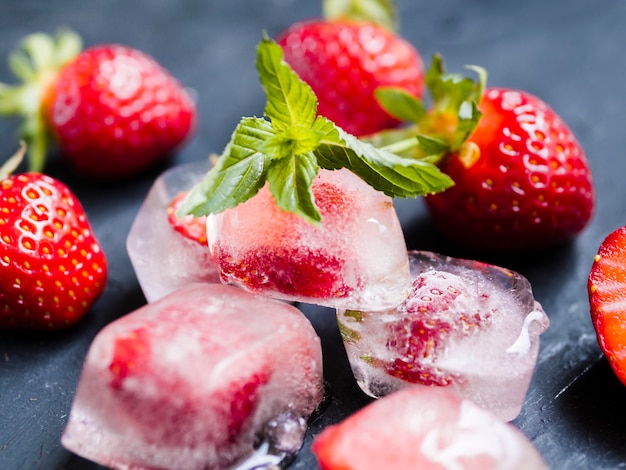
pixel 425 428
pixel 356 257
pixel 194 380
pixel 168 252
pixel 467 325
pixel 301 210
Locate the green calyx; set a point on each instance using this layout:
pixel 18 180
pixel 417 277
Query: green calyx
pixel 287 147
pixel 381 12
pixel 36 63
pixel 442 128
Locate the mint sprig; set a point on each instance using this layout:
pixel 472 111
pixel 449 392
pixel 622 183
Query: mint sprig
pixel 287 148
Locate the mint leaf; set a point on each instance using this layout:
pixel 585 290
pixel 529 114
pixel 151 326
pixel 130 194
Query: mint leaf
pixel 432 146
pixel 290 101
pixel 288 146
pixel 238 175
pixel 384 171
pixel 290 181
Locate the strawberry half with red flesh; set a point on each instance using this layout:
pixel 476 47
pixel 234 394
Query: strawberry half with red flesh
pixel 113 110
pixel 439 308
pixel 53 268
pixel 607 293
pixel 191 379
pixel 344 60
pixel 193 228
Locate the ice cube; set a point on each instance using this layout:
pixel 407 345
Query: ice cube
pixel 355 258
pixel 467 325
pixel 425 427
pixel 162 258
pixel 192 381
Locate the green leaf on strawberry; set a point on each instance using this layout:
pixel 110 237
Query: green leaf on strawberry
pixel 381 12
pixel 287 149
pixel 447 124
pixel 36 63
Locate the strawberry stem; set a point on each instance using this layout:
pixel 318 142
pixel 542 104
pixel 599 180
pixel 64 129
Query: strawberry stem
pixel 13 162
pixel 381 12
pixel 36 63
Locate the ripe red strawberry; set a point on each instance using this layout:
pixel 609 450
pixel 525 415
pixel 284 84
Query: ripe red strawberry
pixel 132 360
pixel 53 268
pixel 113 110
pixel 439 307
pixel 607 289
pixel 189 226
pixel 295 272
pixel 524 185
pixel 345 60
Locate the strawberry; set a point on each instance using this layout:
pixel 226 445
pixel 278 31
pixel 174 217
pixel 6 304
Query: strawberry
pixel 607 287
pixel 522 180
pixel 189 226
pixel 302 272
pixel 528 186
pixel 53 268
pixel 134 359
pixel 440 307
pixel 113 110
pixel 345 59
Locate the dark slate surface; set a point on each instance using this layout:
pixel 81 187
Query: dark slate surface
pixel 568 53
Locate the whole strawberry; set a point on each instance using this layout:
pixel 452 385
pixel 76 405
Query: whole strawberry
pixel 53 268
pixel 113 110
pixel 521 179
pixel 527 184
pixel 345 57
pixel 606 288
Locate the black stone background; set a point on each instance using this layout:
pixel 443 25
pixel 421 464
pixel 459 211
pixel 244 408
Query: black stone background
pixel 571 54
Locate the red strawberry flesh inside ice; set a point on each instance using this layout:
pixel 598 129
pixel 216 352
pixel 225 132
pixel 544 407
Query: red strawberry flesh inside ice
pixel 309 273
pixel 189 226
pixel 356 255
pixel 439 306
pixel 188 381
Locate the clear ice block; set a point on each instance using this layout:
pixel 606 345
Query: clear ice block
pixel 425 427
pixel 355 258
pixel 162 258
pixel 467 325
pixel 195 380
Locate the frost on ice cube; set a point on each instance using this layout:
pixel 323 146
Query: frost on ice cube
pixel 467 325
pixel 355 258
pixel 425 427
pixel 196 380
pixel 164 259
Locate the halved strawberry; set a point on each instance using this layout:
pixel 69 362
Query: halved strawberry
pixel 607 298
pixel 439 307
pixel 189 226
pixel 302 272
